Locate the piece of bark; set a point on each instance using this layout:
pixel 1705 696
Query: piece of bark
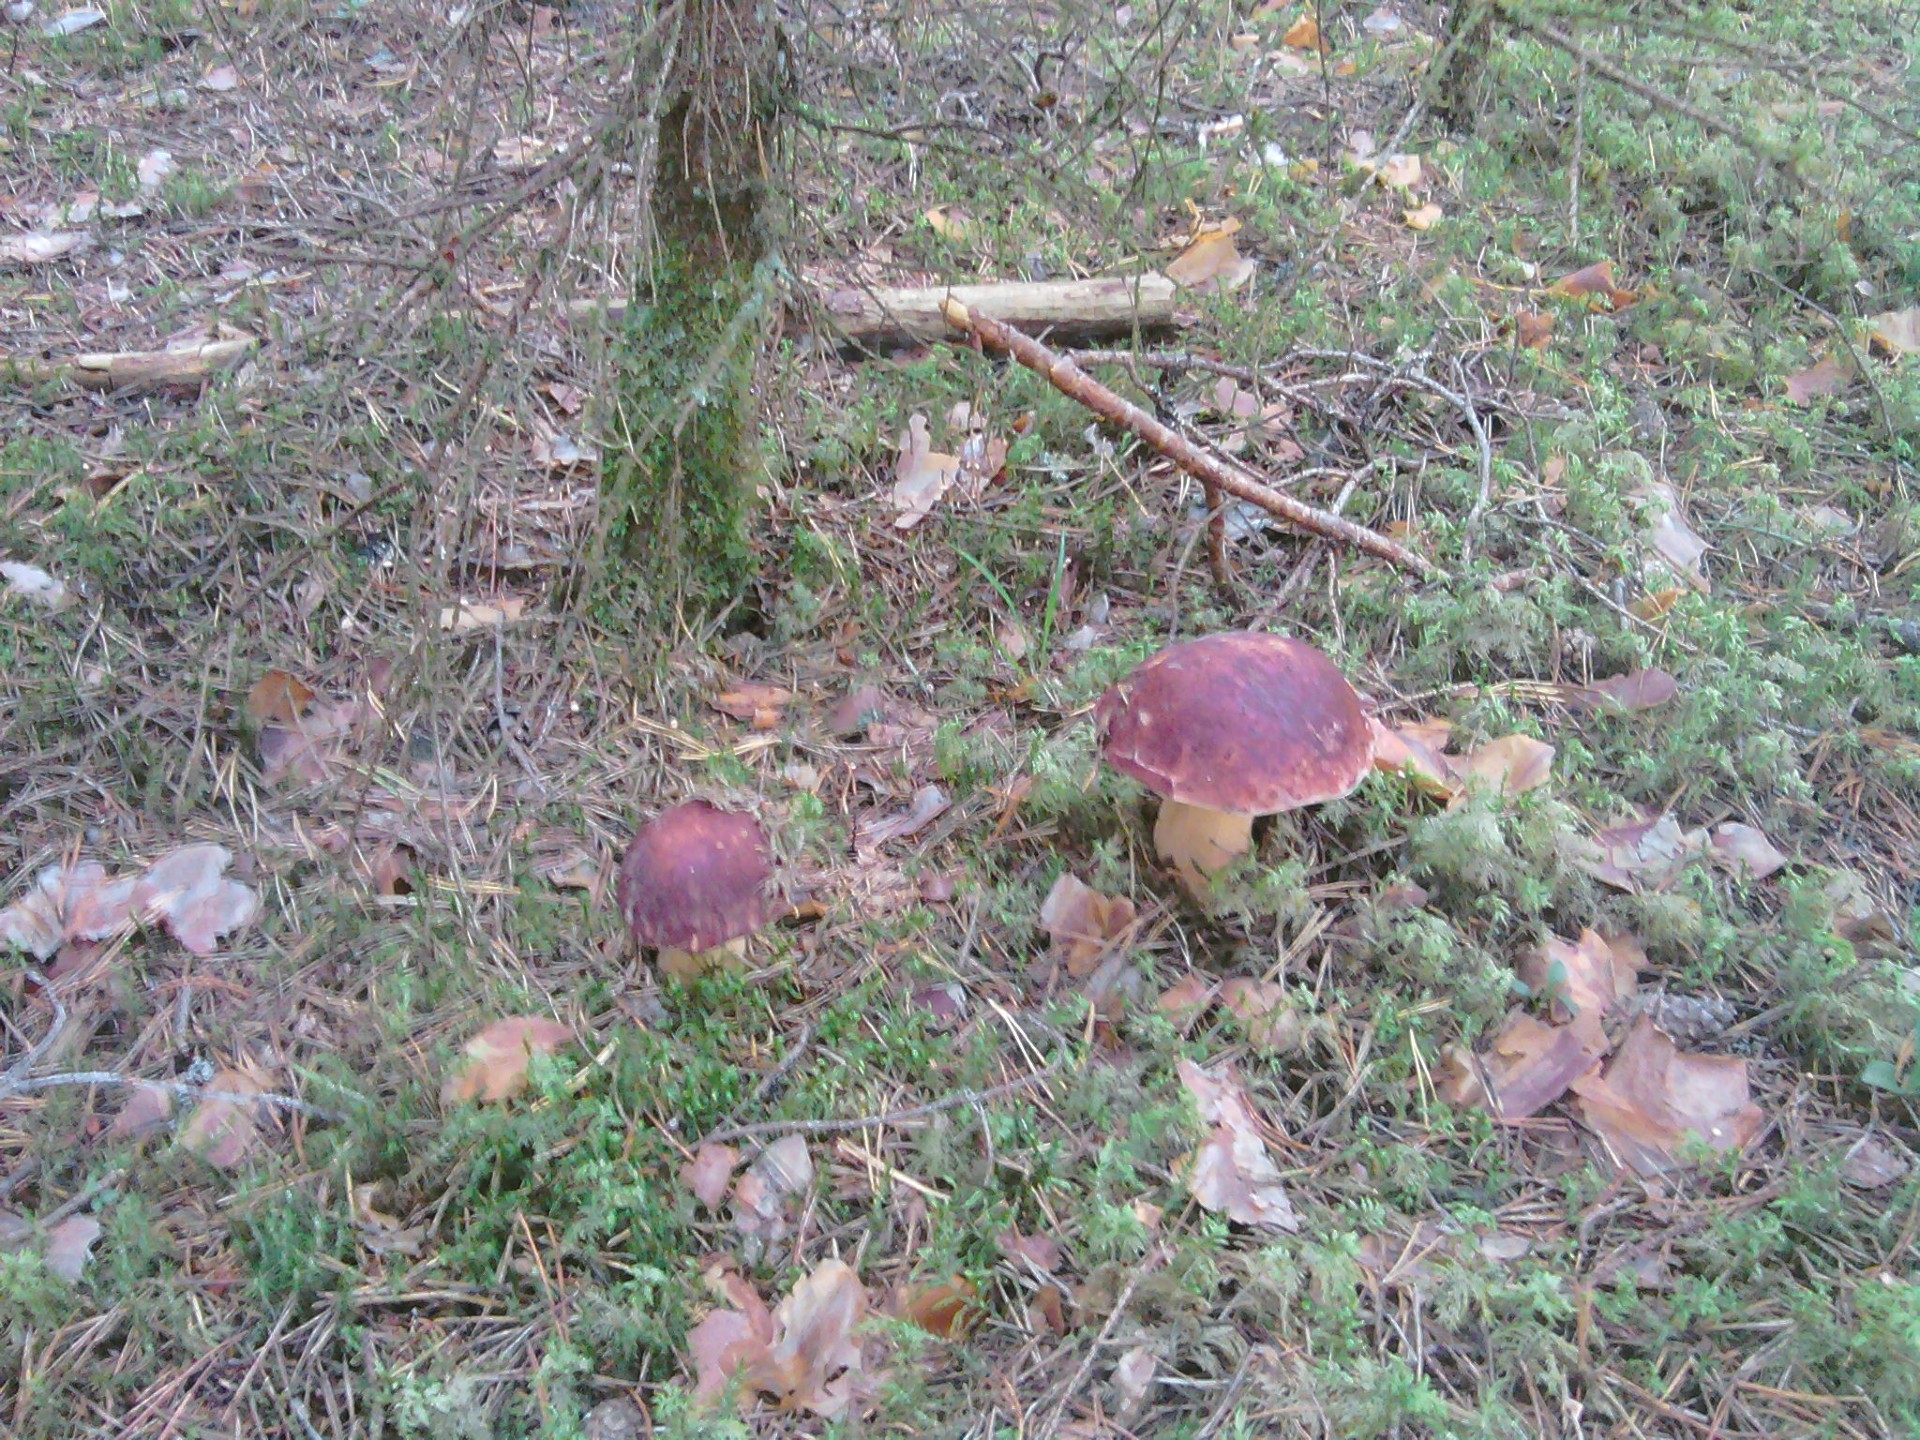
pixel 138 372
pixel 888 317
pixel 1215 474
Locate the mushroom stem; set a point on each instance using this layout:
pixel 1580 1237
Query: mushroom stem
pixel 1199 842
pixel 690 964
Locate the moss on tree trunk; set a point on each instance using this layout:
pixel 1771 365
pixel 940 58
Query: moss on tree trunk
pixel 683 481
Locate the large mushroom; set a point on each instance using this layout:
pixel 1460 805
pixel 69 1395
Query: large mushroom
pixel 696 881
pixel 1228 727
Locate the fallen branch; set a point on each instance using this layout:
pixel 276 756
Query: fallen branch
pixel 1214 474
pixel 884 318
pixel 136 372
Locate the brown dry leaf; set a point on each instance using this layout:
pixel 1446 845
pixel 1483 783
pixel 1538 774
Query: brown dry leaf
pixel 1532 1064
pixel 1652 1097
pixel 1413 751
pixel 148 1108
pixel 1871 1164
pixel 1635 690
pixel 221 1131
pixel 708 1173
pixel 464 615
pixel 920 476
pixel 1186 998
pixel 1511 765
pixel 1826 376
pixel 758 704
pixel 1642 851
pixel 69 1245
pixel 814 1363
pixel 1532 330
pixel 1042 1252
pixel 1895 332
pixel 1231 1173
pixel 310 748
pixel 728 1341
pixel 495 1061
pixel 1084 925
pixel 765 1198
pixel 219 80
pixel 1742 847
pixel 187 893
pixel 77 903
pixel 1304 34
pixel 34 585
pixel 278 698
pixel 950 222
pixel 930 802
pixel 1583 978
pixel 391 870
pixel 1260 1008
pixel 1397 172
pixel 39 247
pixel 983 459
pixel 1211 263
pixel 1457 1079
pixel 1596 282
pixel 1424 217
pixel 1672 538
pixel 949 1310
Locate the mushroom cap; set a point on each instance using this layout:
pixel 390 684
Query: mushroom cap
pixel 695 877
pixel 1243 722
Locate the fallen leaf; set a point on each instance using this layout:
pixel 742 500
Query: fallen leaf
pixel 1582 979
pixel 222 1131
pixel 33 584
pixel 1187 998
pixel 1895 332
pixel 1651 1097
pixel 186 892
pixel 1742 847
pixel 1425 217
pixel 814 1363
pixel 1261 1009
pixel 69 1245
pixel 949 1310
pixel 494 1062
pixel 1511 765
pixel 1872 1164
pixel 1413 750
pixel 220 79
pixel 72 22
pixel 1532 1064
pixel 1635 690
pixel 1211 263
pixel 1672 538
pixel 1826 376
pixel 1231 1173
pixel 1133 1380
pixel 709 1172
pixel 1083 925
pixel 309 748
pixel 1595 282
pixel 154 167
pixel 765 1197
pixel 465 615
pixel 148 1108
pixel 66 903
pixel 1042 1252
pixel 930 802
pixel 1532 330
pixel 724 1343
pixel 278 698
pixel 859 708
pixel 1643 851
pixel 38 247
pixel 759 704
pixel 1398 172
pixel 950 222
pixel 1857 913
pixel 1459 1081
pixel 920 476
pixel 1304 34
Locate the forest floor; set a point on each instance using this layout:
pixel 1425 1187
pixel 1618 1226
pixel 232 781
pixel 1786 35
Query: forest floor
pixel 1558 1082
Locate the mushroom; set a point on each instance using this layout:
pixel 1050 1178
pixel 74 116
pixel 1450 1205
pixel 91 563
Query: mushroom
pixel 1228 727
pixel 696 881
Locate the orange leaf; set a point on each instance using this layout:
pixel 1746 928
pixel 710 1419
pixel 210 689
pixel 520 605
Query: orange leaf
pixel 1304 34
pixel 1594 282
pixel 1424 218
pixel 1827 376
pixel 1532 330
pixel 495 1067
pixel 1512 765
pixel 278 698
pixel 947 1310
pixel 1212 262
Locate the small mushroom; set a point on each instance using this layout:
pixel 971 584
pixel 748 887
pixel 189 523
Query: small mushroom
pixel 696 881
pixel 1228 727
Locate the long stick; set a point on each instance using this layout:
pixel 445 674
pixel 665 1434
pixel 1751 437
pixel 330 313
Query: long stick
pixel 1212 472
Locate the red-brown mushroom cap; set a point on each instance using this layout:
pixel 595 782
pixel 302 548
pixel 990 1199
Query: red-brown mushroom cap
pixel 695 877
pixel 1244 722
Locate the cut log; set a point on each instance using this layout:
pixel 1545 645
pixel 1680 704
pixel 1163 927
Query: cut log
pixel 887 318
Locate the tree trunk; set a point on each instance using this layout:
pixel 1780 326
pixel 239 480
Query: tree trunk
pixel 1455 80
pixel 682 481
